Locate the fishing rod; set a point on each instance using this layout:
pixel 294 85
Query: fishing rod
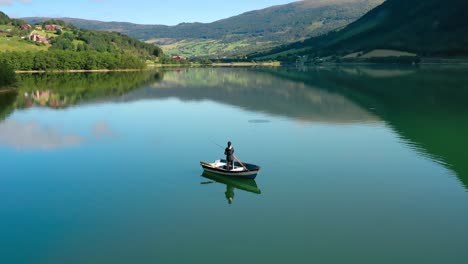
pixel 217 144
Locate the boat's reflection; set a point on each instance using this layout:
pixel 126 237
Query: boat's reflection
pixel 247 185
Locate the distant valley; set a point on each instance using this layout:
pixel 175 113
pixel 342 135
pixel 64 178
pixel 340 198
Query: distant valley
pixel 243 34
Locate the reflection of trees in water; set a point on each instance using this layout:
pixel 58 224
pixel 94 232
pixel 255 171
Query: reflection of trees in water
pixel 254 90
pixel 59 90
pixel 7 100
pixel 426 107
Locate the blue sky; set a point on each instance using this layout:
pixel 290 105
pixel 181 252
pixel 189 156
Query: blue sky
pixel 167 12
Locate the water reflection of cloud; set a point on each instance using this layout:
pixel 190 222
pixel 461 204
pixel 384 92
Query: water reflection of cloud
pixel 31 135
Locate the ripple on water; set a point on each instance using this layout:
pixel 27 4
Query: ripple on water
pixel 259 121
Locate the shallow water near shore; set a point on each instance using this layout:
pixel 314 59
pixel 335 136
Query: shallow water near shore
pixel 359 165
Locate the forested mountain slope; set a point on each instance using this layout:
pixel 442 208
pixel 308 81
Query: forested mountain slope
pixel 424 27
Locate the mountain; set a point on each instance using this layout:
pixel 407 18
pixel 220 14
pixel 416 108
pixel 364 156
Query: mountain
pixel 244 33
pixel 423 27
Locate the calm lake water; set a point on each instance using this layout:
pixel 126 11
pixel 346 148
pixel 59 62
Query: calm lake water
pixel 359 165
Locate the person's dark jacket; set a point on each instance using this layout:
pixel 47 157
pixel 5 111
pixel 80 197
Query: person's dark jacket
pixel 229 152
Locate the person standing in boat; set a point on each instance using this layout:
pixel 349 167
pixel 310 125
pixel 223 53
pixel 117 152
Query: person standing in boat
pixel 229 152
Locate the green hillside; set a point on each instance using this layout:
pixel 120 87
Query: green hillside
pixel 68 37
pixel 4 18
pixel 245 33
pixel 56 45
pixel 423 27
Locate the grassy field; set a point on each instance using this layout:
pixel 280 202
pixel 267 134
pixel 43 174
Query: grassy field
pixel 192 48
pixel 4 27
pixel 209 47
pixel 17 44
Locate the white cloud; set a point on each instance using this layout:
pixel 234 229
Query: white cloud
pixel 10 2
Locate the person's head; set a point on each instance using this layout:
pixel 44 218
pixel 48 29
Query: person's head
pixel 229 143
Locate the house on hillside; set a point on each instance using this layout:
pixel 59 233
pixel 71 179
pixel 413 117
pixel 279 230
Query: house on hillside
pixel 50 27
pixel 178 58
pixel 59 29
pixel 25 26
pixel 38 27
pixel 38 38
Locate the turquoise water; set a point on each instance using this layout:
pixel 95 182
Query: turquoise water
pixel 359 165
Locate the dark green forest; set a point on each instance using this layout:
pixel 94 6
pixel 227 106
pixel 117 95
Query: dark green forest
pixel 90 40
pixel 70 60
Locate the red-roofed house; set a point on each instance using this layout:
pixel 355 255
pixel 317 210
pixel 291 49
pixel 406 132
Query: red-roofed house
pixel 50 27
pixel 25 26
pixel 38 38
pixel 178 58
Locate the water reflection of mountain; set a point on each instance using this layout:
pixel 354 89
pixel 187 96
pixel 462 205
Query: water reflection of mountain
pixel 246 88
pixel 427 107
pixel 256 91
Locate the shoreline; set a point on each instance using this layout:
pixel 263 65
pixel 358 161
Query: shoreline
pixel 250 64
pixel 219 64
pixel 79 71
pixel 233 64
pixel 245 64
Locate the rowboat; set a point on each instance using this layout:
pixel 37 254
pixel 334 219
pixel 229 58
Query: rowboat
pixel 247 171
